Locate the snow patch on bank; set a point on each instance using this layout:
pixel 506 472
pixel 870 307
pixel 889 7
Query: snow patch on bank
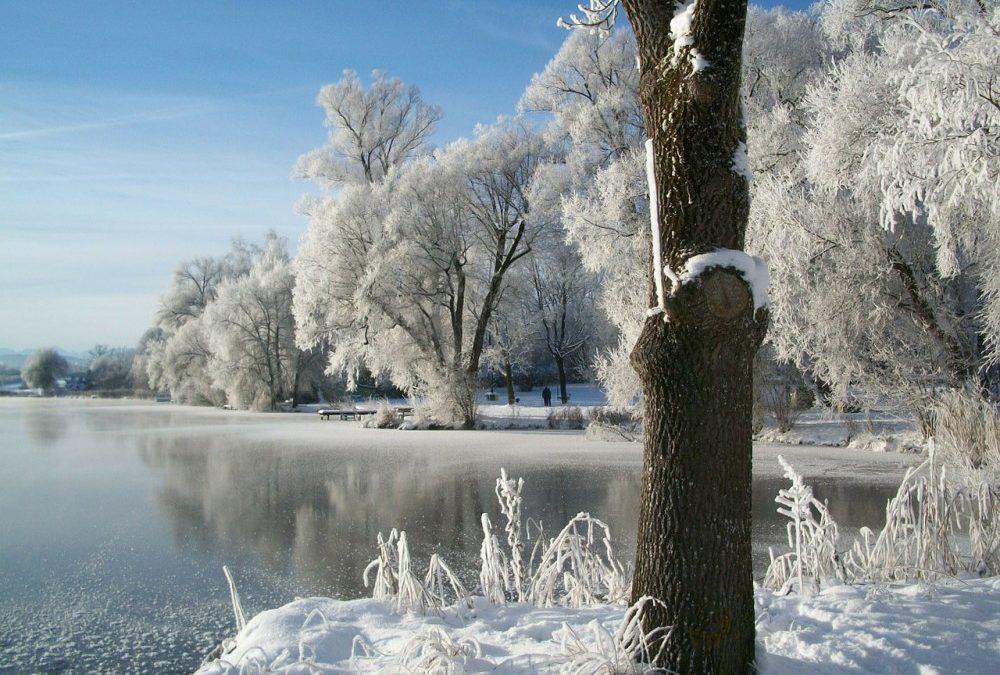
pixel 949 627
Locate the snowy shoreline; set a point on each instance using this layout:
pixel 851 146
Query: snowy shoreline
pixel 304 430
pixel 947 627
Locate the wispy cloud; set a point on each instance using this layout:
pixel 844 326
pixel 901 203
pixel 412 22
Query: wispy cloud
pixel 145 117
pixel 30 107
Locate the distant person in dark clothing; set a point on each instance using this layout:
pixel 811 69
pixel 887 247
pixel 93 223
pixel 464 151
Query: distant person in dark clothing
pixel 547 396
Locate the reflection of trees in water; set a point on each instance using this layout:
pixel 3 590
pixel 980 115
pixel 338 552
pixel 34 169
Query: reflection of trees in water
pixel 315 514
pixel 45 425
pixel 854 504
pixel 850 504
pixel 318 512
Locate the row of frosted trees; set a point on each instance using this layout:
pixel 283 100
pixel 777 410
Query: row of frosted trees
pixel 225 333
pixel 872 140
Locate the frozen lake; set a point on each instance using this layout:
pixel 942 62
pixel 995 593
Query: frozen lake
pixel 116 517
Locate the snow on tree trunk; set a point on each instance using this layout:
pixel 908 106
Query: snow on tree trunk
pixel 695 357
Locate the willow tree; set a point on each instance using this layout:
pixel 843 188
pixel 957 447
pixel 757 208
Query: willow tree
pixel 707 317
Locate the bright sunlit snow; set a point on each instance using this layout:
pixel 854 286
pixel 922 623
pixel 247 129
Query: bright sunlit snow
pixel 947 627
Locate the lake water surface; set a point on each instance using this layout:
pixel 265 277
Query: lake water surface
pixel 116 518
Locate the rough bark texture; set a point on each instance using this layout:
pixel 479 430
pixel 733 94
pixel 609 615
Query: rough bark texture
pixel 508 378
pixel 693 551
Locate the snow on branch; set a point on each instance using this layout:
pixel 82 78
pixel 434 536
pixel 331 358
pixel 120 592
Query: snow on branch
pixel 680 33
pixel 598 14
pixel 752 268
pixel 654 221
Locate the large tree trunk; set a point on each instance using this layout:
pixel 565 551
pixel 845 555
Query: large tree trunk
pixel 695 359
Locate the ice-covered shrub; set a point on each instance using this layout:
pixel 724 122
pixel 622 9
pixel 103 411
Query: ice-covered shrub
pixel 935 526
pixel 433 651
pixel 579 568
pixel 812 538
pixel 786 401
pixel 568 417
pixel 607 654
pixel 451 398
pixel 779 390
pixel 967 433
pixel 617 424
pixel 396 583
pixel 385 417
pixel 576 568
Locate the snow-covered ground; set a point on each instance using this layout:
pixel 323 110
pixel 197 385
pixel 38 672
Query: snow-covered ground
pixel 950 627
pixel 529 411
pixel 878 431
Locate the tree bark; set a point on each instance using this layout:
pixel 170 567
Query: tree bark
pixel 508 376
pixel 561 369
pixel 695 359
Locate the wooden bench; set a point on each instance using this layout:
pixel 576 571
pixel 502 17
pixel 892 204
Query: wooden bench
pixel 354 414
pixel 358 413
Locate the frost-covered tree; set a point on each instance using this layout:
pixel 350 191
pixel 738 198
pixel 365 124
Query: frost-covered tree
pixel 193 288
pixel 178 361
pixel 43 367
pixel 372 129
pixel 424 264
pixel 180 365
pixel 695 353
pixel 881 226
pixel 591 90
pixel 110 368
pixel 148 345
pixel 784 53
pixel 226 332
pixel 251 330
pixel 510 347
pixel 562 300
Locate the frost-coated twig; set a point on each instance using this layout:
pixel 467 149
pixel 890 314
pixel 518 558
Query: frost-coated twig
pixel 572 571
pixel 241 619
pixel 812 536
pixel 508 493
pixel 439 577
pixel 630 651
pixel 385 584
pixel 412 596
pixel 493 577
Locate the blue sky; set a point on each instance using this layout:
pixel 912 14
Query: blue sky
pixel 134 135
